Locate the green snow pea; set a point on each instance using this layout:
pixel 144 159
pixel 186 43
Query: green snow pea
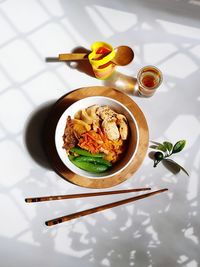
pixel 88 166
pixel 94 160
pixel 84 152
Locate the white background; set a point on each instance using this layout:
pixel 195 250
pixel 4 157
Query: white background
pixel 159 231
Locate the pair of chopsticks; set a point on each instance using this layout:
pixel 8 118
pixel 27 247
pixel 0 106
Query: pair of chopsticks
pixel 93 210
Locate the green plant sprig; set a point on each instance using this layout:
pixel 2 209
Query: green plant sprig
pixel 165 150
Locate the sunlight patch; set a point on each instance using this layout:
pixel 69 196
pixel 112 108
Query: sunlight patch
pixel 118 20
pixel 179 66
pixel 180 30
pixel 196 51
pixel 186 127
pixel 103 27
pixel 155 52
pixel 192 190
pixel 189 233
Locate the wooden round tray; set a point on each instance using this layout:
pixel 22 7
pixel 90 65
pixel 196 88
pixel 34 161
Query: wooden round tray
pixel 69 99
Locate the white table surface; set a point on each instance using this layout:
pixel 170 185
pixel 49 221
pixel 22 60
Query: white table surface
pixel 160 231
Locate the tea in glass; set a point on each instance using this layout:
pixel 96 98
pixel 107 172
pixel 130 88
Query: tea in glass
pixel 149 79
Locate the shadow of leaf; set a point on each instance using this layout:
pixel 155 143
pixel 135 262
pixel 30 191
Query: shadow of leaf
pixel 171 166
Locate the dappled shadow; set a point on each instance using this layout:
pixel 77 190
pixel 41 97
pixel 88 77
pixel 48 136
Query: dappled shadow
pixel 159 231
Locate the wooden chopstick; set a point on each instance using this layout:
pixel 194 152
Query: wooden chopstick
pixel 60 197
pixel 100 208
pixel 73 56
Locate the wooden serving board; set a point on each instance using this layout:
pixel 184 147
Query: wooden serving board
pixel 49 133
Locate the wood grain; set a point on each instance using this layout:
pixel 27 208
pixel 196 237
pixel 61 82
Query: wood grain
pixel 59 108
pixel 101 208
pixel 83 195
pixel 73 56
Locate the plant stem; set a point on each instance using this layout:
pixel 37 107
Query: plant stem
pixel 168 155
pixel 156 163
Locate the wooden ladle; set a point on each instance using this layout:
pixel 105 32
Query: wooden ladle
pixel 123 56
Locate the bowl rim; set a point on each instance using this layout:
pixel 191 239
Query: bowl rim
pixel 64 159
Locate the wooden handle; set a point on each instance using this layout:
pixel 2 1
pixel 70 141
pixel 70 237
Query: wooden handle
pixel 100 208
pixel 60 197
pixel 71 57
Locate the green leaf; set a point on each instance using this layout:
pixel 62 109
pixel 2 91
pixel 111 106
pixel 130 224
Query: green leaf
pixel 179 146
pixel 162 148
pixel 177 165
pixel 168 146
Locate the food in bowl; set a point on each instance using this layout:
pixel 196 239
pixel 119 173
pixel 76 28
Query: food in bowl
pixel 95 138
pixel 131 144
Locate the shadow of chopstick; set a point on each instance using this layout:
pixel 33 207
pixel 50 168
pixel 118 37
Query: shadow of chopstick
pixel 52 59
pixel 80 65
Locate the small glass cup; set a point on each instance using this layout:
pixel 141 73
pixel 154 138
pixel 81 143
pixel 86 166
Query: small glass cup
pixel 149 78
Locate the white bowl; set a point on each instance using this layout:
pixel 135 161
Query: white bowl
pixel 133 137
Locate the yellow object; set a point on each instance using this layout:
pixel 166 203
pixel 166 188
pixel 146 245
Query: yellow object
pixel 101 63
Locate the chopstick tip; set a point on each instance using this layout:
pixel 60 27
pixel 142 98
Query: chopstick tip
pixel 165 189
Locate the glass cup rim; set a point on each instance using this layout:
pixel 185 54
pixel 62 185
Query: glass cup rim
pixel 152 67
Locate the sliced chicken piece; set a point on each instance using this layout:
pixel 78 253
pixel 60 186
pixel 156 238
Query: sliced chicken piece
pixel 123 126
pixel 106 113
pixel 111 129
